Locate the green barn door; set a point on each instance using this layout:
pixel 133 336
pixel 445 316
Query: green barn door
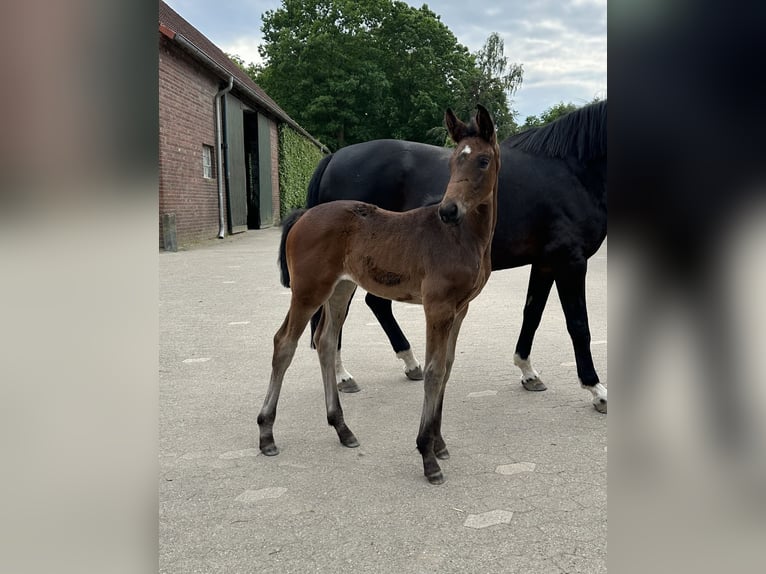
pixel 264 171
pixel 235 169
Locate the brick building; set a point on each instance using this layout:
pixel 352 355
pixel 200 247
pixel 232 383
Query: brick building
pixel 219 141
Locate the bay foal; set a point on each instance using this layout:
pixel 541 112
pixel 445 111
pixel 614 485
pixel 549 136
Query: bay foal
pixel 437 256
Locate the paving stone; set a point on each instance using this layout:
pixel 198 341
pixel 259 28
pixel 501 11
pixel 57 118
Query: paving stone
pixel 515 468
pixel 261 494
pixel 490 518
pixel 240 453
pixel 194 455
pixel 482 394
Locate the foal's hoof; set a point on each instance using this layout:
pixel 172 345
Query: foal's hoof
pixel 270 450
pixel 533 384
pixel 346 437
pixel 349 386
pixel 349 441
pixel 443 454
pixel 415 374
pixel 599 403
pixel 436 478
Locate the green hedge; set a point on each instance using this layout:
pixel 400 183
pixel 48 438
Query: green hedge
pixel 297 159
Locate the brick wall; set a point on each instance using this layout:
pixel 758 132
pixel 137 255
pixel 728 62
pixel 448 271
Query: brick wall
pixel 274 136
pixel 187 121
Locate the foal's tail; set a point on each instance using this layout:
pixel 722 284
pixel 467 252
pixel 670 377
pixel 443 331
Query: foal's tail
pixel 287 225
pixel 312 195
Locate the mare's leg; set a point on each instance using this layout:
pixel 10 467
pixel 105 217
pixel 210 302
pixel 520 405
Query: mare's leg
pixel 439 321
pixel 570 283
pixel 285 342
pixel 326 344
pixel 540 283
pixel 440 447
pixel 345 380
pixel 381 308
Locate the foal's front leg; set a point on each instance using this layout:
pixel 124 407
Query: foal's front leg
pixel 440 447
pixel 438 327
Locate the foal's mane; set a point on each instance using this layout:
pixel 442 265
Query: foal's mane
pixel 581 133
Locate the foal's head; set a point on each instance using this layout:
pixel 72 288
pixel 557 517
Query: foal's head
pixel 474 165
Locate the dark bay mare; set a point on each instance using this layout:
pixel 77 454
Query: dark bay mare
pixel 437 256
pixel 552 213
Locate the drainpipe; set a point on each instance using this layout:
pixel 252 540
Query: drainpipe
pixel 219 154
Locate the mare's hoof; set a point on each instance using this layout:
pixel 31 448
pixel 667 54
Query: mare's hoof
pixel 436 478
pixel 349 386
pixel 599 404
pixel 442 454
pixel 415 374
pixel 270 450
pixel 534 384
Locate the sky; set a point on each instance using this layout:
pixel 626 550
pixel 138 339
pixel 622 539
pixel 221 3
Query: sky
pixel 560 43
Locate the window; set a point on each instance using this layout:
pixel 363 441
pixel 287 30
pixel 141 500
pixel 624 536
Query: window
pixel 207 161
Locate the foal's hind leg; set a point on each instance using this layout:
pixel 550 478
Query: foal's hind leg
pixel 345 380
pixel 540 283
pixel 285 342
pixel 326 338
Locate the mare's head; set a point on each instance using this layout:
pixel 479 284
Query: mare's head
pixel 474 166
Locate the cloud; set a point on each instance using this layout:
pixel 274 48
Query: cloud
pixel 561 43
pixel 246 47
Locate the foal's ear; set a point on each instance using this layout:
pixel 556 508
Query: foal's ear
pixel 485 124
pixel 455 127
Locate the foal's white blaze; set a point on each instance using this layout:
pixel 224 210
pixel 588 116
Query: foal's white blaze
pixel 528 372
pixel 341 374
pixel 466 150
pixel 410 362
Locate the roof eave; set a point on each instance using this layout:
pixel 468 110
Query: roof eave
pixel 225 75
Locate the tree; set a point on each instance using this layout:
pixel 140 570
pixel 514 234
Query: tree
pixel 495 84
pixel 354 70
pixel 550 114
pixel 492 83
pixel 426 67
pixel 250 69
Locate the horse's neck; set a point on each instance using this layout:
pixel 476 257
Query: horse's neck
pixel 593 175
pixel 482 223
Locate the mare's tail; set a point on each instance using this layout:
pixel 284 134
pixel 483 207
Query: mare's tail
pixel 312 195
pixel 287 225
pixel 312 199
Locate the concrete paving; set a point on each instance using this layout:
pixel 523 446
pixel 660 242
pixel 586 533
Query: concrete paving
pixel 525 486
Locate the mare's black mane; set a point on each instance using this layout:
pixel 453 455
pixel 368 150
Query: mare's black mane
pixel 581 133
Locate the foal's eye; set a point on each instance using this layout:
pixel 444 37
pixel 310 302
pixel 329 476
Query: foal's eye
pixel 484 162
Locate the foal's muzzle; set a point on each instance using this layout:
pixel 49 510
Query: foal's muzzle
pixel 450 213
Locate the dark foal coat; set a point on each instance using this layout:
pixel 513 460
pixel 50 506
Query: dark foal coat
pixel 438 256
pixel 552 212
